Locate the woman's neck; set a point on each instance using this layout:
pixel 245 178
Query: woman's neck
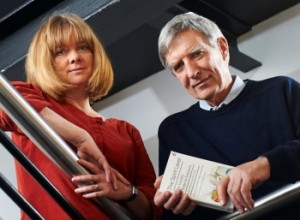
pixel 82 102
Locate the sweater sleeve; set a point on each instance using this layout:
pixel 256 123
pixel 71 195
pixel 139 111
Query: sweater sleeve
pixel 164 151
pixel 32 95
pixel 286 157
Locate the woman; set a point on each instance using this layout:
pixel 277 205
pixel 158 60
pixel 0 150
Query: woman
pixel 67 69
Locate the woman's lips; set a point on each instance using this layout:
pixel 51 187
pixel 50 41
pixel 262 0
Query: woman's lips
pixel 76 70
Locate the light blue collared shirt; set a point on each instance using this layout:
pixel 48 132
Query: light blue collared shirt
pixel 236 89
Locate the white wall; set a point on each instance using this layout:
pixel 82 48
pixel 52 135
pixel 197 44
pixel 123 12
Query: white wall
pixel 275 43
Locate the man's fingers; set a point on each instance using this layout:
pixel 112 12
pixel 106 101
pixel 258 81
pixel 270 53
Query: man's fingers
pixel 158 182
pixel 161 198
pixel 222 190
pixel 247 196
pixel 174 200
pixel 185 205
pixel 189 209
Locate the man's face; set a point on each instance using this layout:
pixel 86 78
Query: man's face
pixel 200 68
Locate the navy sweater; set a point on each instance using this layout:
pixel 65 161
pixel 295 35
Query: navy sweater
pixel 263 120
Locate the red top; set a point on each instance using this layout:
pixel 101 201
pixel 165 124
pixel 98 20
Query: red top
pixel 119 141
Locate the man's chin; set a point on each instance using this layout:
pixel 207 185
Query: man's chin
pixel 203 96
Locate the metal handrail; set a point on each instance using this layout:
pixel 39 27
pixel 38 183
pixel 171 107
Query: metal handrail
pixel 49 142
pixel 270 202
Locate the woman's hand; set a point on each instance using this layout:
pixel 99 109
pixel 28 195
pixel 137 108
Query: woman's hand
pixel 81 139
pixel 88 150
pixel 98 187
pixel 95 185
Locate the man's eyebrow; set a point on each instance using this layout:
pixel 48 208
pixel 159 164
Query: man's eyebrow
pixel 197 48
pixel 192 50
pixel 171 65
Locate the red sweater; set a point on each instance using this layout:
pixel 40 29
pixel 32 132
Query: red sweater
pixel 119 141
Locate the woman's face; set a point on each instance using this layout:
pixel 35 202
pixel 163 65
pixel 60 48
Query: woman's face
pixel 73 62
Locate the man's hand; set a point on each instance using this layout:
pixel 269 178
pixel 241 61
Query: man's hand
pixel 178 202
pixel 241 180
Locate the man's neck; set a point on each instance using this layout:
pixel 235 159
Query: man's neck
pixel 235 88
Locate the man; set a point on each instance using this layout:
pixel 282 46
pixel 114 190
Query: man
pixel 253 126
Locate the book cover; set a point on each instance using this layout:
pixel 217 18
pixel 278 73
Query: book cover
pixel 196 177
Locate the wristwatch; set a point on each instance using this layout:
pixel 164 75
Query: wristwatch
pixel 134 194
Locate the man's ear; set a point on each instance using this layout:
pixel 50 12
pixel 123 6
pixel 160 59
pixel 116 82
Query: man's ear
pixel 223 47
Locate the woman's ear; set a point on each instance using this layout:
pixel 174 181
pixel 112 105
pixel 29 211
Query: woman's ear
pixel 223 47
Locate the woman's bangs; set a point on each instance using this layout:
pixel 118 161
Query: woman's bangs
pixel 82 35
pixel 59 35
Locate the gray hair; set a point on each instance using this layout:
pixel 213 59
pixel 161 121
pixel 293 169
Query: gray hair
pixel 181 23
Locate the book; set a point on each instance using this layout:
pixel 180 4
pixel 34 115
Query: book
pixel 196 177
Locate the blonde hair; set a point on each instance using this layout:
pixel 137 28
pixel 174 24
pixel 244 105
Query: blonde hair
pixel 53 33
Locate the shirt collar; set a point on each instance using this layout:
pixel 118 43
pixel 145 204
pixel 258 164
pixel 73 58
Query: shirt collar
pixel 237 87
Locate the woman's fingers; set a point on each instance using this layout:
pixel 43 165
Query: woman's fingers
pixel 83 180
pixel 97 188
pixel 89 166
pixel 110 173
pixel 88 188
pixel 121 178
pixel 107 169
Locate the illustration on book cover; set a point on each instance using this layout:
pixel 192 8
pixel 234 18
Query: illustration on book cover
pixel 216 175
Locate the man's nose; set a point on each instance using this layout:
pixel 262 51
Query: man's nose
pixel 192 70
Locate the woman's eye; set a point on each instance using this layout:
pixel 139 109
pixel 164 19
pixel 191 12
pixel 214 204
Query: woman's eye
pixel 83 47
pixel 59 52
